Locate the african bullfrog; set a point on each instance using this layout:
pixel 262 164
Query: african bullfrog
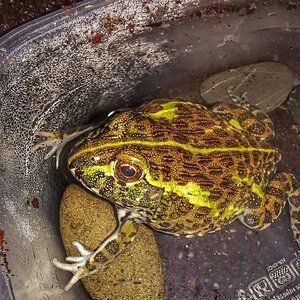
pixel 181 168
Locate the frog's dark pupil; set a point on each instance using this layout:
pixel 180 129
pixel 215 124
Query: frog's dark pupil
pixel 128 171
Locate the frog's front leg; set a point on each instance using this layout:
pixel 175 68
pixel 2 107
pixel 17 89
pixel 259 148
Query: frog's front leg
pixel 266 203
pixel 91 261
pixel 57 140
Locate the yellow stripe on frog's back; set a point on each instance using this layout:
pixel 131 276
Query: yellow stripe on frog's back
pixel 170 108
pixel 187 147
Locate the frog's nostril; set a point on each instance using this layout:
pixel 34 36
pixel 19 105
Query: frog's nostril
pixel 78 172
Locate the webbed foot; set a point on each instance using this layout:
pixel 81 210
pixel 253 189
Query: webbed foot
pixel 238 100
pixel 89 262
pixel 77 265
pixel 57 140
pixel 54 140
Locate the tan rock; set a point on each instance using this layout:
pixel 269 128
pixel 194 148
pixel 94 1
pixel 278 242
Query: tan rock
pixel 135 274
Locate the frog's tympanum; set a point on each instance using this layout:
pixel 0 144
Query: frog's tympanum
pixel 182 169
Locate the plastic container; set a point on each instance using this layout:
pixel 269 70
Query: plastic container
pixel 63 69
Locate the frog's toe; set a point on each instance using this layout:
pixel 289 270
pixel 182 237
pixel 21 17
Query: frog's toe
pixel 54 140
pixel 76 277
pixel 77 262
pixel 84 255
pixel 48 134
pixel 66 266
pixel 238 100
pixel 73 258
pixel 78 267
pixel 82 250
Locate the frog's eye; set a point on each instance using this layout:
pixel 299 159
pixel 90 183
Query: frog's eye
pixel 128 172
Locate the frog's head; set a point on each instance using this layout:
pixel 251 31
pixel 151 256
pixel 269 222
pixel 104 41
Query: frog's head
pixel 109 163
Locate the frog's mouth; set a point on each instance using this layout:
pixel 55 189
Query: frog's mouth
pixel 78 174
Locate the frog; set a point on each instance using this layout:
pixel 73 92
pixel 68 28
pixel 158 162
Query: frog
pixel 182 168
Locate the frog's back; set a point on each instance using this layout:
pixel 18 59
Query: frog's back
pixel 215 162
pixel 196 142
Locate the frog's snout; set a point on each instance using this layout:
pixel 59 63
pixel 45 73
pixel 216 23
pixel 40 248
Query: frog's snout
pixel 78 172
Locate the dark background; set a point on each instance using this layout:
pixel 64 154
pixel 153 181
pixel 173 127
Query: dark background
pixel 14 13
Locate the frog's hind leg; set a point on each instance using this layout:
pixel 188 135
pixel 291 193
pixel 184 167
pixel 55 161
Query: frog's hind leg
pixel 294 206
pixel 244 116
pixel 265 205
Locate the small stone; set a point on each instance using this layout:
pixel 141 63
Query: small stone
pixel 135 274
pixel 267 84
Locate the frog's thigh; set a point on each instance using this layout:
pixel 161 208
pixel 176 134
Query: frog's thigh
pixel 294 201
pixel 249 119
pixel 265 206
